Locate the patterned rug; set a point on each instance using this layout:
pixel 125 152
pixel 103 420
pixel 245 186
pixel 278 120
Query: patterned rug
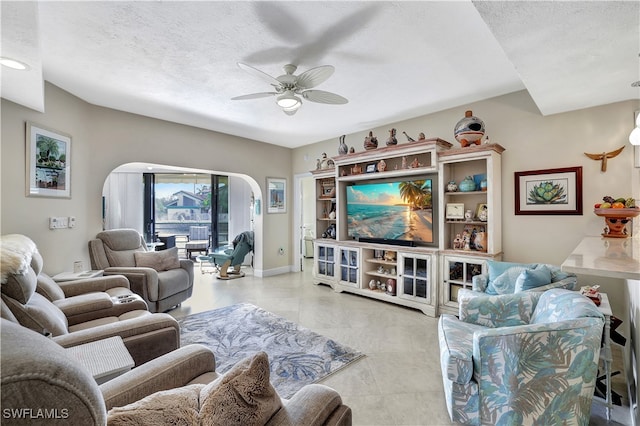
pixel 297 355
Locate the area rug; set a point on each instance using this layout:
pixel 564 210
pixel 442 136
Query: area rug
pixel 298 356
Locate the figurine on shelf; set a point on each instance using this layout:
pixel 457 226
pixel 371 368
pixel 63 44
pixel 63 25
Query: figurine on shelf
pixel 352 150
pixel 409 138
pixel 382 166
pixel 452 186
pixel 392 138
pixel 356 169
pixel 404 162
pixel 342 147
pixel 415 164
pixel 370 142
pixel 469 130
pixel 421 136
pixel 323 161
pixel 457 242
pixel 466 240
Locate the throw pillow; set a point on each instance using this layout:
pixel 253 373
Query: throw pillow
pixel 243 396
pixel 159 260
pixel 497 269
pixel 532 278
pixel 505 283
pixel 178 406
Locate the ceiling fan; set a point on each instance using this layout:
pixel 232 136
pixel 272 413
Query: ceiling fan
pixel 289 87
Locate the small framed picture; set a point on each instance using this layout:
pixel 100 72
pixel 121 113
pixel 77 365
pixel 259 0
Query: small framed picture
pixel 277 195
pixel 371 168
pixel 454 211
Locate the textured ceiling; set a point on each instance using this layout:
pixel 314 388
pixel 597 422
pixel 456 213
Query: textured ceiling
pixel 394 60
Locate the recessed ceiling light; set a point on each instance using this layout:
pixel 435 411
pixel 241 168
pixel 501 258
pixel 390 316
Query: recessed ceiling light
pixel 12 63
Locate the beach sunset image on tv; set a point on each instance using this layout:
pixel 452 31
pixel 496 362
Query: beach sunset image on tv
pixel 401 210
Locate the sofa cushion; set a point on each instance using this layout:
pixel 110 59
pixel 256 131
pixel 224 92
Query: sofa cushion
pixel 20 287
pixel 243 396
pixel 49 288
pixel 124 258
pixel 532 278
pixel 159 260
pixel 39 315
pixel 561 305
pixel 503 310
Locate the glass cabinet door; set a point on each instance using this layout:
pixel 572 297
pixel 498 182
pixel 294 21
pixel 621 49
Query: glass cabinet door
pixel 325 260
pixel 415 283
pixel 349 266
pixel 458 274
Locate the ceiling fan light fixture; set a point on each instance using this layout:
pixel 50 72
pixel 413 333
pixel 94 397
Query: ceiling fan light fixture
pixel 288 100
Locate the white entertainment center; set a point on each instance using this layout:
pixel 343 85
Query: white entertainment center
pixel 426 273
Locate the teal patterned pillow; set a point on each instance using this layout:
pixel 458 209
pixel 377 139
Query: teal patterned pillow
pixel 532 278
pixel 498 282
pixel 505 283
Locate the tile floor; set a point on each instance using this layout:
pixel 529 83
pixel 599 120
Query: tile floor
pixel 397 383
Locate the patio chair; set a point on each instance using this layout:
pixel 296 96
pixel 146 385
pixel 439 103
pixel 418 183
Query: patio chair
pixel 198 240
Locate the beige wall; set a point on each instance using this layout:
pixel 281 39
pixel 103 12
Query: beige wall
pixel 533 142
pixel 103 139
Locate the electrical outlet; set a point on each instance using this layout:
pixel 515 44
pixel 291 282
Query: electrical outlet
pixel 72 221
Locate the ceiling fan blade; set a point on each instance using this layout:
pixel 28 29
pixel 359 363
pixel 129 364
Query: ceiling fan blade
pixel 254 96
pixel 323 97
pixel 256 72
pixel 314 76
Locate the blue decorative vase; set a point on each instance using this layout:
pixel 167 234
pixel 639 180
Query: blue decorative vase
pixel 467 185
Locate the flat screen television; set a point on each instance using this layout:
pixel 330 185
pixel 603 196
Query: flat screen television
pixel 400 210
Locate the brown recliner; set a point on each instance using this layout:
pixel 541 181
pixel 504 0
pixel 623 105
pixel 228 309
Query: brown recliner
pixel 79 312
pixel 114 251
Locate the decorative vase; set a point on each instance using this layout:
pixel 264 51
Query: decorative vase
pixel 467 184
pixel 452 186
pixel 373 285
pixel 342 148
pixel 370 142
pixel 469 130
pixel 392 138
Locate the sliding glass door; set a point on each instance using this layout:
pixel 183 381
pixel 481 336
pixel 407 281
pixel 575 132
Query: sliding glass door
pixel 177 202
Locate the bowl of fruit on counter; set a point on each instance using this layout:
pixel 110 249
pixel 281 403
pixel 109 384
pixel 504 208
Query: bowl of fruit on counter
pixel 617 212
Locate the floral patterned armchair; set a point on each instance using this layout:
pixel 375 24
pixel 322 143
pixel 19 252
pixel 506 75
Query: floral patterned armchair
pixel 523 358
